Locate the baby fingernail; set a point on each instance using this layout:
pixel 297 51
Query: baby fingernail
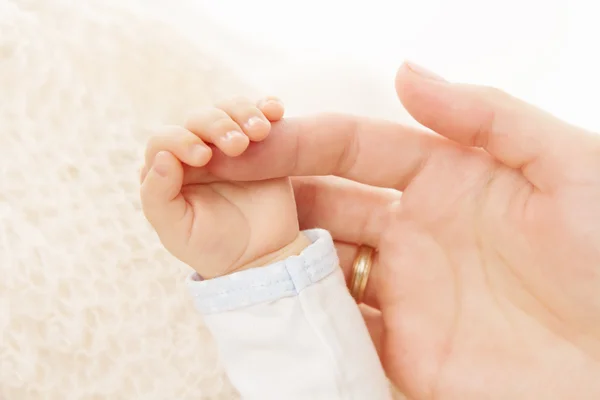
pixel 160 166
pixel 199 152
pixel 231 136
pixel 161 170
pixel 271 102
pixel 256 121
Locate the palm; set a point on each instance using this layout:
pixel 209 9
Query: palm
pixel 232 223
pixel 488 274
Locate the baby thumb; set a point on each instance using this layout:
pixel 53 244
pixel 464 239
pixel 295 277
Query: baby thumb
pixel 162 201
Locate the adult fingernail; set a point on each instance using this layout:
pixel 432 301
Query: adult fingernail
pixel 424 72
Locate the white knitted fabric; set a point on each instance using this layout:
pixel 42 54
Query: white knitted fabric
pixel 91 306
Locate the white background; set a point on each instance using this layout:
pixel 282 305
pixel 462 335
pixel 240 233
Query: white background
pixel 543 51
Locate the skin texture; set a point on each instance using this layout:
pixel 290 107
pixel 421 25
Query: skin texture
pixel 487 226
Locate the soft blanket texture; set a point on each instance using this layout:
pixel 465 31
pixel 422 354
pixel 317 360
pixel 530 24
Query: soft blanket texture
pixel 91 306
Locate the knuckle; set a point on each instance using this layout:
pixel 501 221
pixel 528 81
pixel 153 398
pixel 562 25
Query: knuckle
pixel 155 144
pixel 151 146
pixel 240 100
pixel 350 151
pixel 192 119
pixel 224 105
pixel 224 124
pixel 166 134
pixel 175 130
pixel 202 116
pixel 167 138
pixel 250 112
pixel 493 93
pixel 482 135
pixel 491 100
pixel 232 103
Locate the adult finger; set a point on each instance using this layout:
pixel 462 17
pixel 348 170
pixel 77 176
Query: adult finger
pixel 518 134
pixel 374 152
pixel 350 211
pixel 162 201
pixel 374 322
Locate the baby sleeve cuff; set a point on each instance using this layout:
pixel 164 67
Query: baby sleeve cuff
pixel 286 278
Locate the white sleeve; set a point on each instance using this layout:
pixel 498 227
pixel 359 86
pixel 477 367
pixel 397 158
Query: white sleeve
pixel 291 330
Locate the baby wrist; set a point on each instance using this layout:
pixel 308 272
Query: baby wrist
pixel 293 249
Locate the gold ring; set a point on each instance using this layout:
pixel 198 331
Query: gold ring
pixel 360 272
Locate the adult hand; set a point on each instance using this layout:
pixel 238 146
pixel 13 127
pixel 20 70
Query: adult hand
pixel 487 280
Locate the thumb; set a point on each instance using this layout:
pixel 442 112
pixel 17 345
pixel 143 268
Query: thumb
pixel 516 133
pixel 162 201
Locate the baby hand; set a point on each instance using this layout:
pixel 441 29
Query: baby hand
pixel 217 227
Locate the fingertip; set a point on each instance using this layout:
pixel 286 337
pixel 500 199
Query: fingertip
pixel 163 163
pixel 272 108
pixel 409 67
pixel 233 143
pixel 200 155
pixel 257 128
pixel 403 76
pixel 411 82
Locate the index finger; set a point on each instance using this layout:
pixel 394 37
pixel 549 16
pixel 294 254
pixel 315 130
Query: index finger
pixel 373 152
